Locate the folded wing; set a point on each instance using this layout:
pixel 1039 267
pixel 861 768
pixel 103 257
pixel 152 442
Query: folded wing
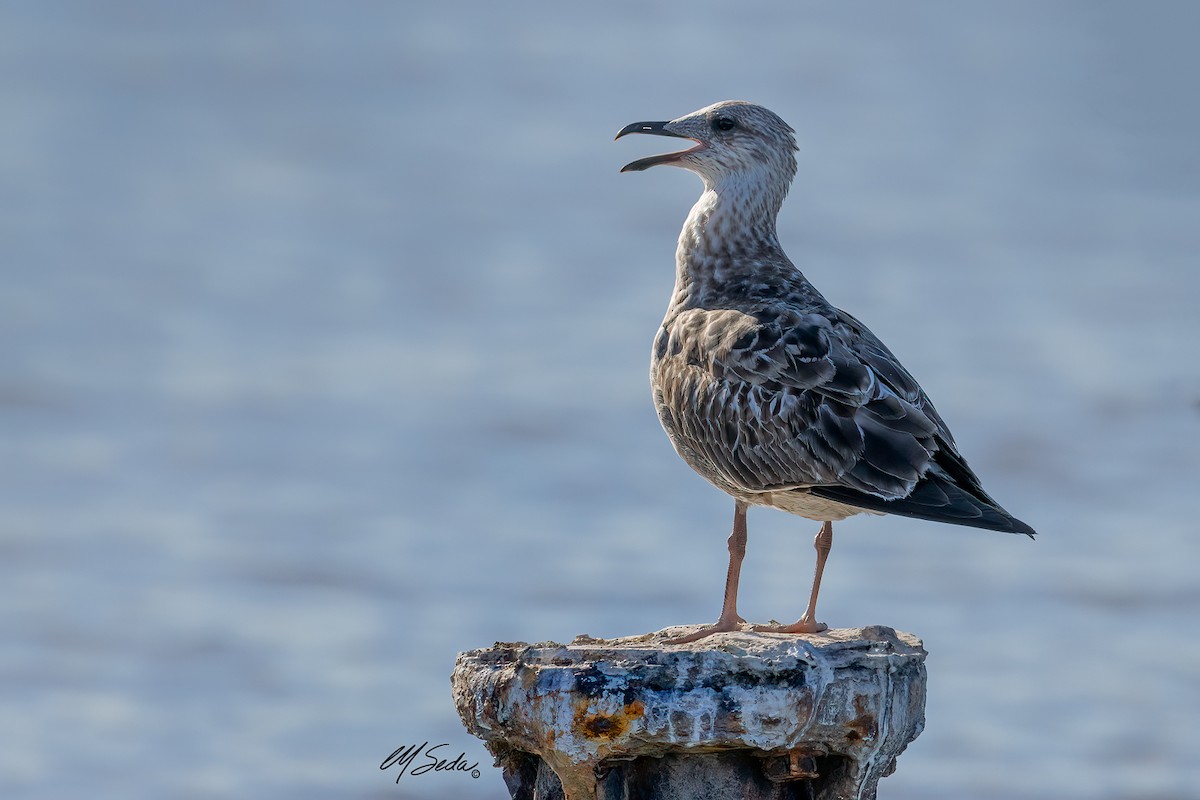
pixel 815 402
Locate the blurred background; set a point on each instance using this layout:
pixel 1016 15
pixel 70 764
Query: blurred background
pixel 324 334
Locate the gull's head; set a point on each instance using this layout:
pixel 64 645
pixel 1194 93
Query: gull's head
pixel 733 140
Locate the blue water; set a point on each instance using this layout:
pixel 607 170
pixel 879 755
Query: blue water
pixel 323 344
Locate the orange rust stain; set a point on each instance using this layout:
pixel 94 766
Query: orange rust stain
pixel 864 725
pixel 605 726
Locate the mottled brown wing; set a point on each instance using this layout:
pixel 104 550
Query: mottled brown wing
pixel 949 491
pixel 777 399
pixel 816 402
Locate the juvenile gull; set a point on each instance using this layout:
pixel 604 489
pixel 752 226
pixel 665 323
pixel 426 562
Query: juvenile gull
pixel 769 392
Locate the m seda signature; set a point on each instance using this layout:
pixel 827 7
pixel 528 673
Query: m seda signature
pixel 432 761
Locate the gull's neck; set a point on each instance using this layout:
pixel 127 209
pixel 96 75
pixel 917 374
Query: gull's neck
pixel 728 248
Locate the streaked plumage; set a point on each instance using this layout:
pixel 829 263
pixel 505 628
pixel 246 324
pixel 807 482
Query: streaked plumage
pixel 767 390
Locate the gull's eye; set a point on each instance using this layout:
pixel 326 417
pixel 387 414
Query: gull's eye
pixel 724 124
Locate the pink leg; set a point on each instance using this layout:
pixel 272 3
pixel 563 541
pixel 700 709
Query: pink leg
pixel 729 620
pixel 808 624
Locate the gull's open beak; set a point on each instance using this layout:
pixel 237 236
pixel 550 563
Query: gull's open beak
pixel 658 129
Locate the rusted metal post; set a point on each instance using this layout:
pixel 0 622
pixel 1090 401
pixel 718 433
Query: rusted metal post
pixel 736 715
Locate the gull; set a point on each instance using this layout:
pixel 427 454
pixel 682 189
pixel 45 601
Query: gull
pixel 766 389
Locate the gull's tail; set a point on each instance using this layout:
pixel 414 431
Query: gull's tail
pixel 938 499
